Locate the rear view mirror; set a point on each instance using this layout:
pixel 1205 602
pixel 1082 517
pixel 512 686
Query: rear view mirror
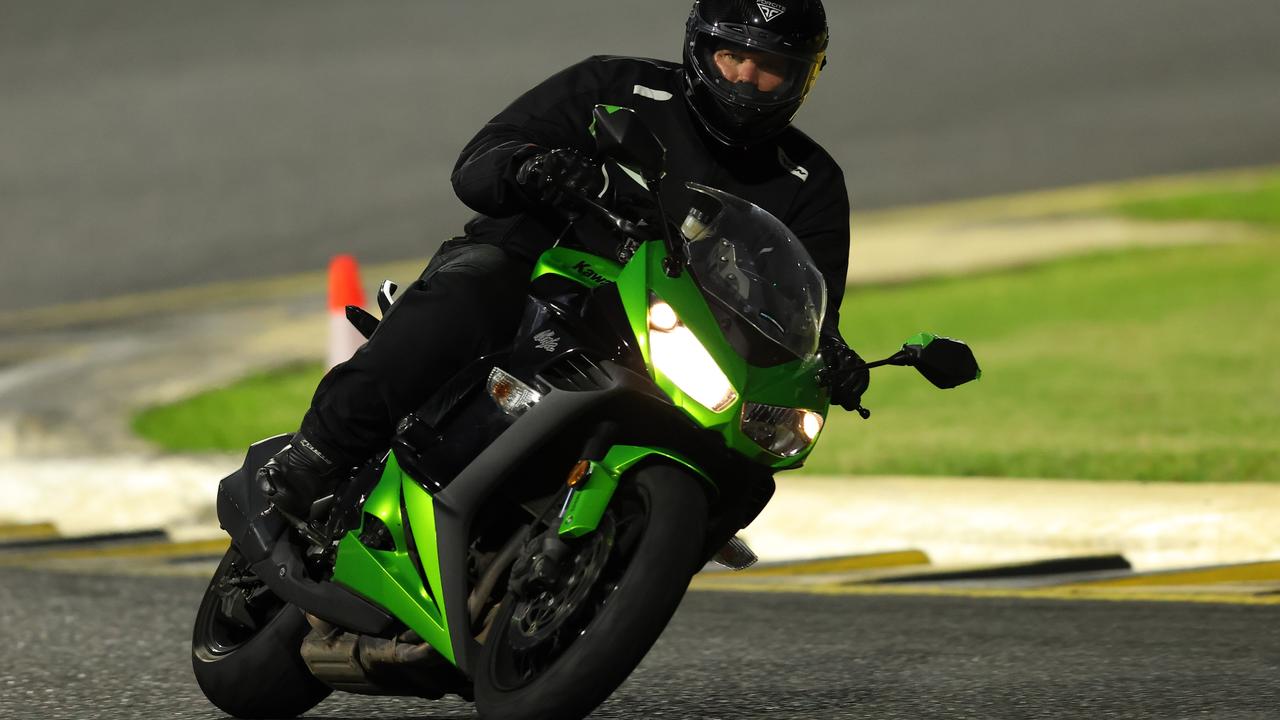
pixel 622 137
pixel 945 362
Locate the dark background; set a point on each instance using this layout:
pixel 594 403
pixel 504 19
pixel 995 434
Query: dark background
pixel 162 143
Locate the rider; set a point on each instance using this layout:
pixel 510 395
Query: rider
pixel 723 115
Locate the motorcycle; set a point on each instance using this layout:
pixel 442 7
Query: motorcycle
pixel 534 526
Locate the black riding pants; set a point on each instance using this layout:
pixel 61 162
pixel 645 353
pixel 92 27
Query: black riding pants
pixel 466 304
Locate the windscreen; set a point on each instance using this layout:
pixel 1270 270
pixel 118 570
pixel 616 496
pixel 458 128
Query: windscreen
pixel 750 262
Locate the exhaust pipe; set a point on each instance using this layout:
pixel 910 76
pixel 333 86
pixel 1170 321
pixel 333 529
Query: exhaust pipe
pixel 367 665
pixel 403 665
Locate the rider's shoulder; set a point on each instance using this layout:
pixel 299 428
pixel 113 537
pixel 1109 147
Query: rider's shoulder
pixel 626 68
pixel 800 148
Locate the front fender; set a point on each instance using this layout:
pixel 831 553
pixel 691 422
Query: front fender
pixel 586 507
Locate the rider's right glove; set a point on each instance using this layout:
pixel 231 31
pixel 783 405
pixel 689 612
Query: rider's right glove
pixel 842 374
pixel 547 178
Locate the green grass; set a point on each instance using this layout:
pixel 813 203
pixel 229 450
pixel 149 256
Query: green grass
pixel 1257 202
pixel 231 418
pixel 1148 365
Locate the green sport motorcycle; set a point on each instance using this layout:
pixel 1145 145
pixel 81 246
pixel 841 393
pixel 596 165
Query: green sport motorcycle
pixel 535 524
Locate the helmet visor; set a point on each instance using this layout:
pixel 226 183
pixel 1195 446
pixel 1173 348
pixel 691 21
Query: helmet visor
pixel 752 76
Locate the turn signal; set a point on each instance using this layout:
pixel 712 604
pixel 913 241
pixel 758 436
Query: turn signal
pixel 579 474
pixel 513 396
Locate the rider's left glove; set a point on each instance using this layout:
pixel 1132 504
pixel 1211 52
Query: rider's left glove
pixel 554 177
pixel 842 373
pixel 297 476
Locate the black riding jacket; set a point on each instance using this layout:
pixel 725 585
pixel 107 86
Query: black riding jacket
pixel 790 175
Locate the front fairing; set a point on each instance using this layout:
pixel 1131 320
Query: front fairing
pixel 791 384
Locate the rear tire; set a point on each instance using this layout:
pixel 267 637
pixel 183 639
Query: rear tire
pixel 245 651
pixel 659 517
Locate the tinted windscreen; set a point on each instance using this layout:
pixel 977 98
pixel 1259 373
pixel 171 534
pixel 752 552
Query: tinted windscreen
pixel 750 262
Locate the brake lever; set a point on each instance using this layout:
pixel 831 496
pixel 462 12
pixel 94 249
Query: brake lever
pixel 629 229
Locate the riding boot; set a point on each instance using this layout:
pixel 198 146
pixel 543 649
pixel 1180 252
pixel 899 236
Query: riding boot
pixel 297 476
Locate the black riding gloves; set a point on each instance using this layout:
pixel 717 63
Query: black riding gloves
pixel 549 177
pixel 843 375
pixel 297 476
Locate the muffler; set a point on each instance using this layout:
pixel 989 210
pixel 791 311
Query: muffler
pixel 403 665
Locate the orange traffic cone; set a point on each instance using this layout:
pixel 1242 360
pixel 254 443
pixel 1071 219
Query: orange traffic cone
pixel 344 290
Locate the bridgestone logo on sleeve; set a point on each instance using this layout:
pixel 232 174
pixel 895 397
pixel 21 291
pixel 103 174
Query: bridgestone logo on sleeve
pixel 770 10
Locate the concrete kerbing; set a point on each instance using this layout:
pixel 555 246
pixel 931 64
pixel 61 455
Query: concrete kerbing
pixel 20 533
pixel 159 548
pixel 848 563
pixel 63 542
pixel 1051 568
pixel 1072 593
pixel 91 496
pixel 1239 574
pixel 975 521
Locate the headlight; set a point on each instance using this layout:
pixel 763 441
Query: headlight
pixel 678 354
pixel 782 431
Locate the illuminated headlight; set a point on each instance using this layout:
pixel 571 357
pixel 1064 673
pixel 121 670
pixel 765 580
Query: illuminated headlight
pixel 782 431
pixel 678 354
pixel 513 396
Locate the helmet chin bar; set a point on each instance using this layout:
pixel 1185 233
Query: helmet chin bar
pixel 717 117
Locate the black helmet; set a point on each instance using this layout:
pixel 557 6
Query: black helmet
pixel 786 39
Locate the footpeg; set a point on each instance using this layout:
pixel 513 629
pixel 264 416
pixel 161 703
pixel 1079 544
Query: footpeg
pixel 735 555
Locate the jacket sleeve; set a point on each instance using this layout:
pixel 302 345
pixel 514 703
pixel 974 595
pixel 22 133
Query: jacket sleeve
pixel 554 114
pixel 821 222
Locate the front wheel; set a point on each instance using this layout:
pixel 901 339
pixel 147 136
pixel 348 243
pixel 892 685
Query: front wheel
pixel 244 648
pixel 558 654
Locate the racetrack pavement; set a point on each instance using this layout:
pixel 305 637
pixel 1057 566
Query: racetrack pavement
pixel 112 646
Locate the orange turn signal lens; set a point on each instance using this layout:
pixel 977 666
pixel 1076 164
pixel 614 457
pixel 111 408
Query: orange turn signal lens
pixel 579 474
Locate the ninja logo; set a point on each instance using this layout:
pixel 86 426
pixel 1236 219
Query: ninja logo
pixel 547 340
pixel 770 10
pixel 590 273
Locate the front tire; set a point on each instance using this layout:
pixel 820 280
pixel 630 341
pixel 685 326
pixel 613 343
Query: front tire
pixel 244 647
pixel 658 520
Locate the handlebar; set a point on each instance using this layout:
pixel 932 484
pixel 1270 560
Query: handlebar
pixel 675 260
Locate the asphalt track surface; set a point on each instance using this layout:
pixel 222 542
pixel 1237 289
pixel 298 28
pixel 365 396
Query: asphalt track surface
pixel 98 646
pixel 150 144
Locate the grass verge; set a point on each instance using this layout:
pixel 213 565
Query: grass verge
pixel 231 418
pixel 1146 365
pixel 1255 201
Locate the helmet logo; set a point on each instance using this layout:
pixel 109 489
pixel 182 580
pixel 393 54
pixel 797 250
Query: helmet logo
pixel 770 10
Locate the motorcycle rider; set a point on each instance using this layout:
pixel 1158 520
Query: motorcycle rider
pixel 723 114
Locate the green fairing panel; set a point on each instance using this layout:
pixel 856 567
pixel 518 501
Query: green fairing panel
pixel 581 267
pixel 922 339
pixel 389 578
pixel 590 501
pixel 787 385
